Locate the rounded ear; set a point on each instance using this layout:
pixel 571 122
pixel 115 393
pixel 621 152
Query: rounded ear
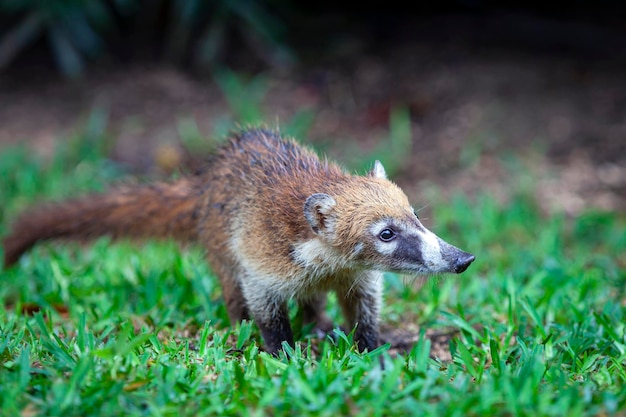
pixel 318 211
pixel 378 171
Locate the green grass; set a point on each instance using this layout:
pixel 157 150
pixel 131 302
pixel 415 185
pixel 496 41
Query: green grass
pixel 119 329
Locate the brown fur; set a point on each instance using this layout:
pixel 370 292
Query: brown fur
pixel 156 210
pixel 276 222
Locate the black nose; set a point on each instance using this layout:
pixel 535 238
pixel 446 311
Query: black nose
pixel 463 262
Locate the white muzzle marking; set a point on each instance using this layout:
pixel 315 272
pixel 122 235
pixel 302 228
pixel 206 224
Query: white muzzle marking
pixel 431 251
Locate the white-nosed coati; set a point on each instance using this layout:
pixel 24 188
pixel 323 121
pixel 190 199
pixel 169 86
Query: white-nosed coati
pixel 277 223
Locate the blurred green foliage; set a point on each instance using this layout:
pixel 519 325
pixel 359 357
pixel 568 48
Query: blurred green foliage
pixel 192 32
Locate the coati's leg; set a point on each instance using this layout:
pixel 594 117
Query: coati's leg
pixel 274 325
pixel 361 307
pixel 313 311
pixel 269 311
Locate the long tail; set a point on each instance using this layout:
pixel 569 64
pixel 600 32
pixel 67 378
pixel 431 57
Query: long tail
pixel 160 210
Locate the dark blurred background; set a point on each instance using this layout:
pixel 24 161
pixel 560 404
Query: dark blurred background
pixel 474 96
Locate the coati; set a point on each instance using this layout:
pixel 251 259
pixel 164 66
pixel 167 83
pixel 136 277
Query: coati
pixel 277 223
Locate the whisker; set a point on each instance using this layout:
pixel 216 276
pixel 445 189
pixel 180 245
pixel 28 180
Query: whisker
pixel 422 208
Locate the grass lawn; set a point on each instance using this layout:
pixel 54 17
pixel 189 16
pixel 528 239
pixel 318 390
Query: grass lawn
pixel 117 329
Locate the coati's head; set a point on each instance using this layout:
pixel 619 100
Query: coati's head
pixel 370 223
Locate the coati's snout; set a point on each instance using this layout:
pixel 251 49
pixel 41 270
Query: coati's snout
pixel 458 260
pixel 463 262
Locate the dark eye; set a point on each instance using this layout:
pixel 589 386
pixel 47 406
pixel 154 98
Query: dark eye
pixel 415 213
pixel 386 235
